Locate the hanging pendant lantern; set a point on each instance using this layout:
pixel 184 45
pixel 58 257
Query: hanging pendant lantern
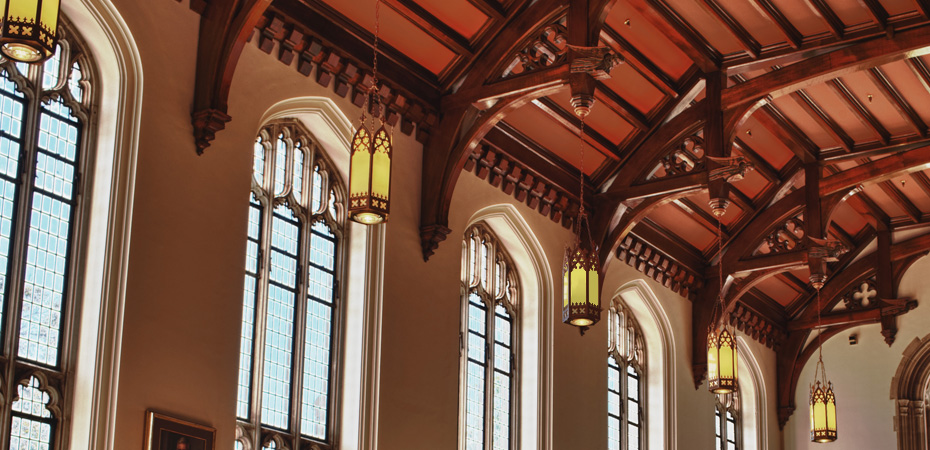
pixel 721 340
pixel 721 360
pixel 30 29
pixel 581 305
pixel 822 398
pixel 580 280
pixel 370 164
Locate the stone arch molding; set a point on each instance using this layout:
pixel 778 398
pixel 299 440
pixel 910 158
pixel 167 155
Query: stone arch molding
pixel 662 393
pixel 909 391
pixel 536 319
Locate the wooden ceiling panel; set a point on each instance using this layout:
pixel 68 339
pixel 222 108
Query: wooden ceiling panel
pixel 841 113
pixel 675 220
pixel 398 32
pixel 897 7
pixel 802 16
pixel 891 208
pixel 777 290
pixel 634 88
pixel 775 152
pixel 601 118
pixel 702 201
pixel 706 24
pixel 460 15
pixel 862 86
pixel 914 192
pixel 753 20
pixel 541 128
pixel 803 119
pixel 648 40
pixel 906 82
pixel 850 12
pixel 848 219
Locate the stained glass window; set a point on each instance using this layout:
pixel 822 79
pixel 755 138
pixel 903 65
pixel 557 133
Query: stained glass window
pixel 726 422
pixel 291 290
pixel 489 334
pixel 625 392
pixel 43 112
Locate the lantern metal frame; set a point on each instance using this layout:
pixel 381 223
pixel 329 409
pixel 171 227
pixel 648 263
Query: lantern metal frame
pixel 822 398
pixel 371 204
pixel 583 256
pixel 27 36
pixel 721 338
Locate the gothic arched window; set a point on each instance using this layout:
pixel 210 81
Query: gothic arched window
pixel 45 110
pixel 727 421
pixel 291 303
pixel 488 337
pixel 625 385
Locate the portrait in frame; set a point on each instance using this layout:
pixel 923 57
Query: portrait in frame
pixel 168 433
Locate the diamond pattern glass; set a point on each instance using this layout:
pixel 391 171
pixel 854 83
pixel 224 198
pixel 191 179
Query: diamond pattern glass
pixel 32 425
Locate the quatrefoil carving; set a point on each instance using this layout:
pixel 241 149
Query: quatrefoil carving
pixel 787 237
pixel 861 297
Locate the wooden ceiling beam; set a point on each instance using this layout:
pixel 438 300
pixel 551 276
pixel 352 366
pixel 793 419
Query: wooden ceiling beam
pixel 788 133
pixel 836 26
pixel 792 36
pixel 434 27
pixel 225 27
pixel 877 12
pixel 677 30
pixel 760 164
pixel 703 218
pixel 877 171
pixel 572 123
pixel 795 283
pixel 910 210
pixel 898 101
pixel 819 69
pixel 823 119
pixel 733 27
pixel 620 106
pixel 861 111
pixel 490 8
pixel 923 181
pixel 677 248
pixel 875 149
pixel 639 62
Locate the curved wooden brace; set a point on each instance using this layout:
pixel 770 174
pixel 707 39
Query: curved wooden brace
pixel 225 28
pixel 463 126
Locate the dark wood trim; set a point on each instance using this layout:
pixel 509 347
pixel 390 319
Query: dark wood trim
pixel 897 100
pixel 857 107
pixel 677 30
pixel 643 65
pixel 791 34
pixel 823 119
pixel 877 12
pixel 829 17
pixel 749 44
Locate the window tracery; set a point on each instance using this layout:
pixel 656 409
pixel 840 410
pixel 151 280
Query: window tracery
pixel 488 339
pixel 294 262
pixel 44 112
pixel 625 380
pixel 727 422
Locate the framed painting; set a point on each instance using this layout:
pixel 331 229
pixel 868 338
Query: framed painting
pixel 167 433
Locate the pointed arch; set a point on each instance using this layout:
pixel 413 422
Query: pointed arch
pixel 753 399
pixel 536 320
pixel 909 390
pixel 661 387
pixel 119 81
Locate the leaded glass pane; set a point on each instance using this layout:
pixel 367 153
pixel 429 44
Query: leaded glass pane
pixel 32 426
pixel 238 446
pixel 51 69
pixel 476 374
pixel 258 161
pixel 74 82
pixel 322 263
pixel 49 235
pixel 298 173
pixel 317 192
pixel 280 165
pixel 314 415
pixel 11 122
pixel 248 310
pixel 501 411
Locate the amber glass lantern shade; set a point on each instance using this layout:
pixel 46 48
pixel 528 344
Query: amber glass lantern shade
pixel 581 304
pixel 823 413
pixel 721 361
pixel 370 176
pixel 30 29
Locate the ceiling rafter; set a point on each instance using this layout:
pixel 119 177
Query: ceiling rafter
pixel 788 30
pixel 572 123
pixel 787 132
pixel 434 27
pixel 639 62
pixel 877 12
pixel 749 44
pixel 670 24
pixel 861 111
pixel 898 101
pixel 829 17
pixel 620 106
pixel 823 119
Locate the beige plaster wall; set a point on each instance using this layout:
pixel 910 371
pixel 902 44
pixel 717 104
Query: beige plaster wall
pixel 861 375
pixel 183 309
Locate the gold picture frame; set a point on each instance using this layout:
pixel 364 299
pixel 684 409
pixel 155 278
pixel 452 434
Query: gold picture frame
pixel 168 433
